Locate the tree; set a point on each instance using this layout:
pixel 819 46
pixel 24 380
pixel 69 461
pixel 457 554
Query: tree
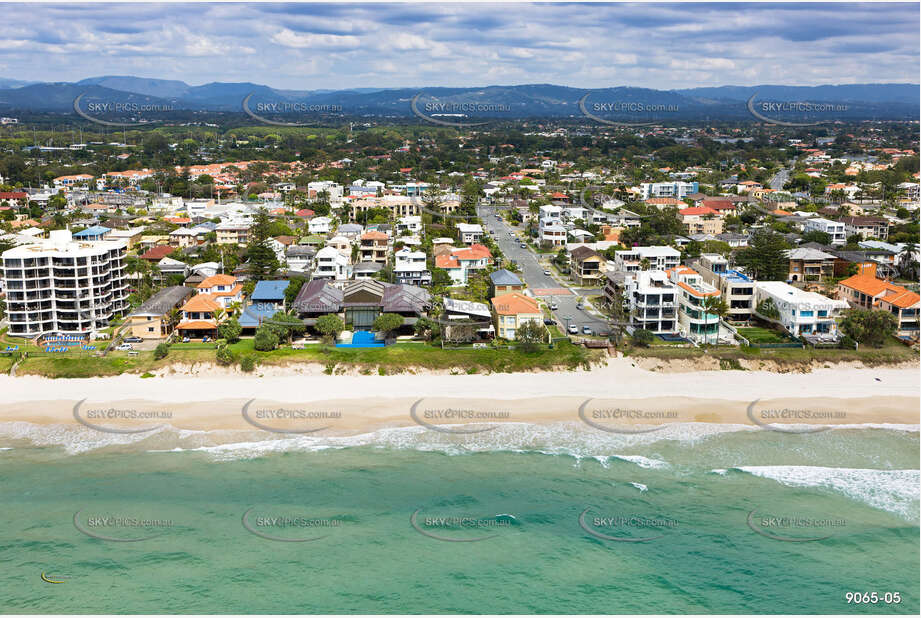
pixel 872 327
pixel 823 238
pixel 263 262
pixel 266 339
pixel 293 289
pixel 427 329
pixel 908 265
pixel 248 363
pixel 530 334
pixel 387 323
pixel 230 330
pixel 286 325
pixel 643 338
pixel 766 257
pixel 715 305
pixel 330 326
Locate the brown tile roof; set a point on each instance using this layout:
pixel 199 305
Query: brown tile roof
pixel 514 303
pixel 157 253
pixel 202 303
pixel 214 280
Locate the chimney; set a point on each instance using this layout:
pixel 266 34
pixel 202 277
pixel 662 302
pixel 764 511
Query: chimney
pixel 867 269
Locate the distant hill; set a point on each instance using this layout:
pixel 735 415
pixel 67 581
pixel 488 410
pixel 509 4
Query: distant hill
pixel 864 101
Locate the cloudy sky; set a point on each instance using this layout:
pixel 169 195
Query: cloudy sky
pixel 311 46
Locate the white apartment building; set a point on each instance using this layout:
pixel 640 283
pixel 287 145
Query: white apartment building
pixel 834 229
pixel 652 301
pixel 659 258
pixel 553 234
pixel 735 287
pixel 330 264
pixel 667 189
pixel 411 224
pixel 59 285
pixel 799 312
pixel 553 215
pixel 333 190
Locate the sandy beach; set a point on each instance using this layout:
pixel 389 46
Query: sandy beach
pixel 618 394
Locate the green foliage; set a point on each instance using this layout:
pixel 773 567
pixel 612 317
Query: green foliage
pixel 868 326
pixel 294 287
pixel 768 309
pixel 643 338
pixel 225 356
pixel 263 263
pixel 266 339
pixel 765 258
pixel 823 238
pixel 530 334
pixel 230 330
pixel 330 326
pixel 388 322
pixel 248 363
pixel 161 351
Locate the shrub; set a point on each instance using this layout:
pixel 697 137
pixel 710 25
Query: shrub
pixel 161 351
pixel 248 363
pixel 230 330
pixel 643 338
pixel 266 339
pixel 225 356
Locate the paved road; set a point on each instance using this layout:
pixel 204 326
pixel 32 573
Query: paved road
pixel 780 179
pixel 532 271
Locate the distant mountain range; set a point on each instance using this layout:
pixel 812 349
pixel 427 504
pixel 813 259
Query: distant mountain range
pixel 851 101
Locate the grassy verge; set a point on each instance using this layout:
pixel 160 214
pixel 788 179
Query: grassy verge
pixel 891 353
pixel 392 359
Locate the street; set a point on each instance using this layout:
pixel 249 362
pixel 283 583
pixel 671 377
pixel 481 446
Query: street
pixel 532 272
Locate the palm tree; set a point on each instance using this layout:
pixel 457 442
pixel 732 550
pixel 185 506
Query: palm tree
pixel 714 305
pixel 908 265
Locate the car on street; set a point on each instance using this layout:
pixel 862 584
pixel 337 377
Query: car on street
pixel 573 329
pixel 554 306
pixel 124 346
pixel 132 340
pixel 580 304
pixel 547 272
pixel 586 330
pixel 548 322
pixel 522 245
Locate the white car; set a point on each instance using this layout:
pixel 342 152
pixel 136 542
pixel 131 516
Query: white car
pixel 554 306
pixel 573 329
pixel 124 346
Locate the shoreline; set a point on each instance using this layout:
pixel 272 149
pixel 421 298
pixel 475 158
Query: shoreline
pixel 622 393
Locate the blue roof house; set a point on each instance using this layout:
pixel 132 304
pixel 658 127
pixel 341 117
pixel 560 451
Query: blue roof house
pixel 267 299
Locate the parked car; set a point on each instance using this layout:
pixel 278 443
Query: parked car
pixel 548 322
pixel 523 245
pixel 573 329
pixel 132 340
pixel 586 330
pixel 580 304
pixel 547 272
pixel 554 306
pixel 124 346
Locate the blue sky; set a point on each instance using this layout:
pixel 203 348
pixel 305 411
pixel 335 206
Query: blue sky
pixel 313 46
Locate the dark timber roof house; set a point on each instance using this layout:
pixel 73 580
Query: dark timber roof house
pixel 361 302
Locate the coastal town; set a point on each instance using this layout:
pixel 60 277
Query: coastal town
pixel 516 249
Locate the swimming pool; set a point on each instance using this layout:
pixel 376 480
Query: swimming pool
pixel 362 339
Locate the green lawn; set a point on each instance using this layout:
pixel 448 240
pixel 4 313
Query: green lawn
pixel 756 334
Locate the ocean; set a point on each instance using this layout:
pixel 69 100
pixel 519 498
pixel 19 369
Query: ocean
pixel 694 518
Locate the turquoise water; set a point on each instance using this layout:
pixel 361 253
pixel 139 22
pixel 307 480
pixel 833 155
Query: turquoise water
pixel 523 487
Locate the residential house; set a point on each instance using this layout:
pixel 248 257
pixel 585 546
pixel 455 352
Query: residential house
pixel 222 289
pixel 866 227
pixel 92 234
pixel 373 247
pixel 267 299
pixel 511 311
pixel 648 297
pixel 700 220
pixel 736 288
pixel 360 302
pixel 503 281
pixel 470 232
pixel 201 315
pixel 646 258
pixel 693 321
pixel 588 266
pixel 410 267
pixel 835 229
pixel 808 264
pixel 801 313
pixel 153 319
pixel 331 264
pixel 865 291
pixel 232 233
pixel 319 225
